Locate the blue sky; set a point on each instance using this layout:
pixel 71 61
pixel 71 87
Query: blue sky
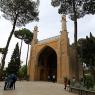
pixel 49 25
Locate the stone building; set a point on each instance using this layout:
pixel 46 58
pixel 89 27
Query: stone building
pixel 50 57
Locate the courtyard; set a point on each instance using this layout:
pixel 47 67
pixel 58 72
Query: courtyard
pixel 35 88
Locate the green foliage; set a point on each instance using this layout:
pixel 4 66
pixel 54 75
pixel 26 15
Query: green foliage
pixel 25 10
pixel 89 6
pixel 22 72
pixel 14 63
pixel 24 34
pixel 70 7
pixel 28 38
pixel 89 81
pixel 86 50
pixel 19 12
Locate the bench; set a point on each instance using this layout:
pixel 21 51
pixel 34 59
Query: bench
pixel 89 91
pixel 75 88
pixel 81 90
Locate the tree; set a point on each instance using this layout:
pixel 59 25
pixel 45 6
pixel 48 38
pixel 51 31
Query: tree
pixel 89 7
pixel 14 63
pixel 22 72
pixel 27 36
pixel 73 8
pixel 86 51
pixel 28 41
pixel 22 34
pixel 19 12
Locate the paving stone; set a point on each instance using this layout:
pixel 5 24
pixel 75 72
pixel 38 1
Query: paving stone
pixel 35 88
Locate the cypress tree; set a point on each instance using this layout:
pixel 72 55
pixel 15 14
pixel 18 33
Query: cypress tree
pixel 14 63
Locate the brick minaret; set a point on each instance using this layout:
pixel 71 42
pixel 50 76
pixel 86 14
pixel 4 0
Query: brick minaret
pixel 35 31
pixel 64 50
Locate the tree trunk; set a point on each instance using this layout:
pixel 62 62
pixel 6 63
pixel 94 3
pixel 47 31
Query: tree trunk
pixel 8 42
pixel 21 47
pixel 27 58
pixel 75 41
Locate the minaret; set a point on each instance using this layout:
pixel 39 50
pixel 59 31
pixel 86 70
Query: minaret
pixel 64 50
pixel 35 31
pixel 64 41
pixel 64 33
pixel 32 53
pixel 63 21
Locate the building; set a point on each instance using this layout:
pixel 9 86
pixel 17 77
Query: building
pixel 50 58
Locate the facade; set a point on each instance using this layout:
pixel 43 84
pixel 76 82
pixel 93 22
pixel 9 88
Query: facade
pixel 50 58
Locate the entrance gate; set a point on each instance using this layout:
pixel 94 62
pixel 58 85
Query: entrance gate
pixel 47 64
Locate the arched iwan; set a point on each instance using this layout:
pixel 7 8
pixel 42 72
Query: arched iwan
pixel 47 64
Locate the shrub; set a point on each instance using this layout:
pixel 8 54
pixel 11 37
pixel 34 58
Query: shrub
pixel 88 81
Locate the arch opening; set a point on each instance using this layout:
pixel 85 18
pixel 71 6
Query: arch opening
pixel 47 64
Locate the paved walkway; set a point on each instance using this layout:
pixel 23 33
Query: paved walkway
pixel 35 88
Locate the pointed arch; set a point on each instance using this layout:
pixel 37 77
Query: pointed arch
pixel 47 64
